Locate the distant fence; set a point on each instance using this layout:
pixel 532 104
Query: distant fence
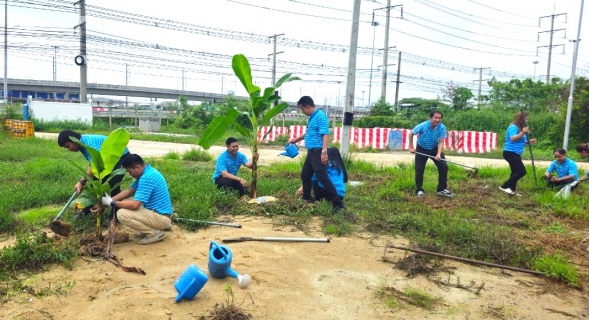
pixel 378 138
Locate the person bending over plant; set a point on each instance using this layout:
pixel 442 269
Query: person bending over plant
pixel 565 168
pixel 227 167
pixel 94 141
pixel 146 206
pixel 337 174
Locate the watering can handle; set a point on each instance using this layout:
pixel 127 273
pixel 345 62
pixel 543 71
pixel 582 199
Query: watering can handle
pixel 217 245
pixel 183 293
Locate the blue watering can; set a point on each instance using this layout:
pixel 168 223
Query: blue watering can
pixel 292 150
pixel 220 265
pixel 190 283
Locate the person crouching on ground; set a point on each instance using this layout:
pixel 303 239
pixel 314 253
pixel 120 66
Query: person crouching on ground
pixel 430 143
pixel 337 174
pixel 316 141
pixel 95 141
pixel 583 150
pixel 227 167
pixel 565 168
pixel 146 206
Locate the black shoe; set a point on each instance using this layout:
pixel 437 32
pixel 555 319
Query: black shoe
pixel 309 200
pixel 338 209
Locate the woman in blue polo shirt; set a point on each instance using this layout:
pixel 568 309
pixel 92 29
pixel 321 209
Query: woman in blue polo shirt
pixel 583 150
pixel 515 142
pixel 565 168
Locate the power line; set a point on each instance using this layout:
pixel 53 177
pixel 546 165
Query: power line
pixel 507 12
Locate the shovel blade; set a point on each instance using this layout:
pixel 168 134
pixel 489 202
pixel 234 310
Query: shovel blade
pixel 60 228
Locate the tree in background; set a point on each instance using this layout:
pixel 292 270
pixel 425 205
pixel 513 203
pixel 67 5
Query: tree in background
pixel 382 108
pixel 527 94
pixel 458 96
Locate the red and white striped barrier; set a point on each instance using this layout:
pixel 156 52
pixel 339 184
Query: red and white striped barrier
pixel 378 138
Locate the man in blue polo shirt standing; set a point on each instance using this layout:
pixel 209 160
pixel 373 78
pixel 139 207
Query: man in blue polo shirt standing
pixel 430 142
pixel 227 167
pixel 146 206
pixel 94 141
pixel 316 142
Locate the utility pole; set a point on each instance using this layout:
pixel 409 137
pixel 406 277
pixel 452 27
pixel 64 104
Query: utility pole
pixel 81 58
pixel 182 80
pixel 480 80
pixel 222 83
pixel 273 54
pixel 567 125
pixel 126 85
pixel 386 48
pixel 374 24
pixel 55 63
pixel 351 81
pixel 398 81
pixel 5 51
pixel 550 46
pixel 535 64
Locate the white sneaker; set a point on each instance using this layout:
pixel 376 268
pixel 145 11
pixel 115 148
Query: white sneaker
pixel 445 193
pixel 420 194
pixel 507 190
pixel 158 236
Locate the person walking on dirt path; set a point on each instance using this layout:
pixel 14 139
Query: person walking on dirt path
pixel 95 141
pixel 583 150
pixel 430 142
pixel 515 143
pixel 337 173
pixel 227 167
pixel 145 206
pixel 565 168
pixel 316 141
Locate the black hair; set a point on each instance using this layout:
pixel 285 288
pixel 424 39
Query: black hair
pixel 230 140
pixel 560 150
pixel 335 159
pixel 306 101
pixel 132 160
pixel 64 137
pixel 432 113
pixel 582 147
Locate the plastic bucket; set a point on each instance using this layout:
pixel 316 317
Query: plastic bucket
pixel 190 282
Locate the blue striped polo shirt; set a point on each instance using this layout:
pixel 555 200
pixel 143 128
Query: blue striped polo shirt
pixel 94 141
pixel 317 127
pixel 151 190
pixel 227 163
pixel 428 137
pixel 564 169
pixel 517 146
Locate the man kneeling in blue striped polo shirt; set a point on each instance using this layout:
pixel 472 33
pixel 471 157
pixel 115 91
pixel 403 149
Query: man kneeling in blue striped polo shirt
pixel 316 141
pixel 146 206
pixel 430 144
pixel 566 170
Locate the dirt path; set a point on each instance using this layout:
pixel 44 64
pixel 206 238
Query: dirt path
pixel 269 155
pixel 337 280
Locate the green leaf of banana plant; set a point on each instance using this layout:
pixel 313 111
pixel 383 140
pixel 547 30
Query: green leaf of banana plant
pixel 86 199
pixel 243 131
pixel 217 128
pixel 115 173
pixel 284 79
pixel 82 170
pixel 97 162
pixel 241 68
pixel 113 149
pixel 273 112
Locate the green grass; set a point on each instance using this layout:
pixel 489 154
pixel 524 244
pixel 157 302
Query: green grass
pixel 197 155
pixel 559 268
pixel 479 223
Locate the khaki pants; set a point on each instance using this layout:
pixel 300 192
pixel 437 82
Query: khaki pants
pixel 143 220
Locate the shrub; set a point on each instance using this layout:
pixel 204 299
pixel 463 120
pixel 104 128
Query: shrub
pixel 197 155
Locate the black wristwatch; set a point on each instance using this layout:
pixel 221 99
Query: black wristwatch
pixel 82 181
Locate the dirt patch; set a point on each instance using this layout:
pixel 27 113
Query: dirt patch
pixel 90 246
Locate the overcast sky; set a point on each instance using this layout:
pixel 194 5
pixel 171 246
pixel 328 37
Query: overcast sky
pixel 156 41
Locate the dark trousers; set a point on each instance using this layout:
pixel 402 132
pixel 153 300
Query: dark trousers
pixel 313 165
pixel 518 170
pixel 221 182
pixel 558 184
pixel 320 193
pixel 420 162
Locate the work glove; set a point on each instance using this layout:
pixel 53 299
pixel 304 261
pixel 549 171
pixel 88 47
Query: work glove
pixel 107 200
pixel 575 183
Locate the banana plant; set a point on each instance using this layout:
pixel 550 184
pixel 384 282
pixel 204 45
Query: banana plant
pixel 260 113
pixel 103 163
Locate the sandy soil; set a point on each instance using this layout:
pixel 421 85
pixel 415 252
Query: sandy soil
pixel 337 280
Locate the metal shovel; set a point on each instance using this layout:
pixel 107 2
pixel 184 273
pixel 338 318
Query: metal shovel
pixel 472 174
pixel 60 227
